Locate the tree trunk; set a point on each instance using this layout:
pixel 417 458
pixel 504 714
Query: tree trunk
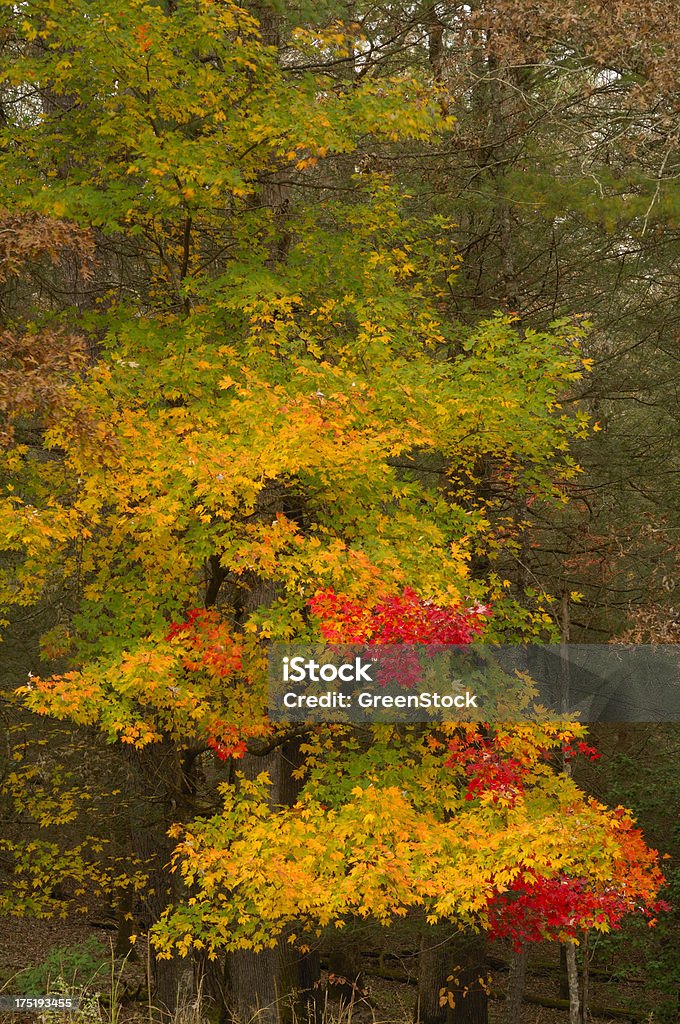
pixel 214 984
pixel 452 977
pixel 345 979
pixel 433 969
pixel 518 971
pixel 270 987
pixel 125 924
pixel 263 985
pixel 471 995
pixel 572 975
pixel 155 781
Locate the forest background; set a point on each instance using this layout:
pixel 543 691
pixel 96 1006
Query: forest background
pixel 350 321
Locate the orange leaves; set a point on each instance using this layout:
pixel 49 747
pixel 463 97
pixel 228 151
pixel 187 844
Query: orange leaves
pixel 144 40
pixel 312 453
pixel 66 696
pixel 139 735
pixel 636 869
pixel 206 642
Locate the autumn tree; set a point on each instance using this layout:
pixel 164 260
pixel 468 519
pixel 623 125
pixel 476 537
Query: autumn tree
pixel 278 401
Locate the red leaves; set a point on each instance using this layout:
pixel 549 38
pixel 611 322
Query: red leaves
pixel 537 906
pixel 179 628
pixel 532 909
pixel 225 741
pixel 397 619
pixel 488 770
pixel 208 645
pixel 592 753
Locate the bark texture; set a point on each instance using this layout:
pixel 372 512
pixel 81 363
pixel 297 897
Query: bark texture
pixel 452 978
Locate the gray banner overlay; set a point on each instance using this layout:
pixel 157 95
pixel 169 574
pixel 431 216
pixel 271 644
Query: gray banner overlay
pixel 425 683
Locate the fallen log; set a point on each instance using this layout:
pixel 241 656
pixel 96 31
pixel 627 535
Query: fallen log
pixel 542 967
pixel 539 967
pixel 618 1012
pixel 594 1011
